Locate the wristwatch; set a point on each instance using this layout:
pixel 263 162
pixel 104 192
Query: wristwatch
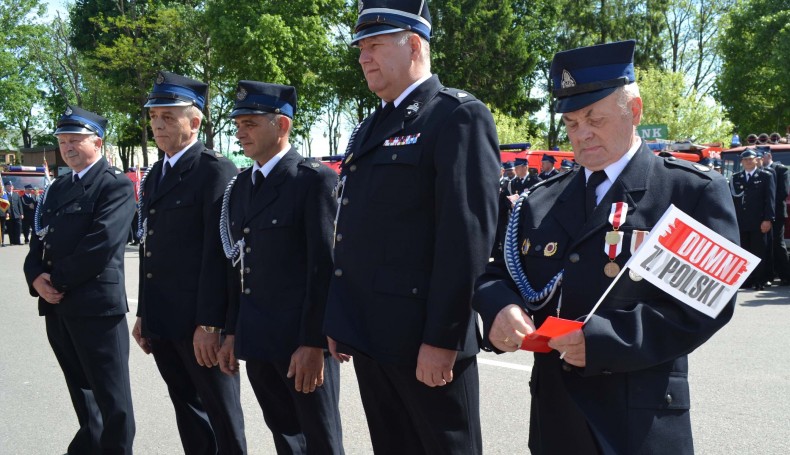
pixel 210 329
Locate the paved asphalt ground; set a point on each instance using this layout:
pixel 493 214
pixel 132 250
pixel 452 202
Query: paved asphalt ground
pixel 740 385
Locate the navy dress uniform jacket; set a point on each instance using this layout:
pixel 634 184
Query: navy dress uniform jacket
pixel 782 188
pixel 418 214
pixel 84 246
pixel 633 392
pixel 287 229
pixel 758 201
pixel 182 266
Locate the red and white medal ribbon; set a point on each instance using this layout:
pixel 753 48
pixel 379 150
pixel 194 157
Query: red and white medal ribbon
pixel 613 244
pixel 618 214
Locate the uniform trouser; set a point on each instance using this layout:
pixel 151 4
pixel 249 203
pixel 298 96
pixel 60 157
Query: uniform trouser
pixel 756 243
pixel 27 227
pixel 780 259
pixel 301 423
pixel 406 416
pixel 206 401
pixel 14 226
pixel 556 424
pixel 93 353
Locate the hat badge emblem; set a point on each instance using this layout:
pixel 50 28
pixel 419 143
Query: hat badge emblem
pixel 69 111
pixel 567 80
pixel 241 94
pixel 160 78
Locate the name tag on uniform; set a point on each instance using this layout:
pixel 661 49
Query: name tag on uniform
pixel 402 140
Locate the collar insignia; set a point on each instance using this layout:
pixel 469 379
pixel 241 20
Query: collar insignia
pixel 413 108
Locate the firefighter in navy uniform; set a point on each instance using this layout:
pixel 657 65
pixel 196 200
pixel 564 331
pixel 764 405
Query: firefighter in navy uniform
pixel 76 269
pixel 780 259
pixel 416 224
pixel 754 194
pixel 283 209
pixel 547 170
pixel 621 386
pixel 506 191
pixel 183 299
pixel 519 183
pixel 29 202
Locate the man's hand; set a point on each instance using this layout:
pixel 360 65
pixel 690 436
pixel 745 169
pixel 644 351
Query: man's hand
pixel 510 327
pixel 228 362
pixel 137 333
pixel 435 365
pixel 206 347
pixel 571 348
pixel 339 356
pixel 43 286
pixel 307 366
pixel 765 226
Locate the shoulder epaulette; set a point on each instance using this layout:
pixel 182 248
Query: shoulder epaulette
pixel 310 163
pixel 696 168
pixel 456 94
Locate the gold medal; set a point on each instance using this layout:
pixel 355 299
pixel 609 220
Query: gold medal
pixel 611 269
pixel 612 238
pixel 550 249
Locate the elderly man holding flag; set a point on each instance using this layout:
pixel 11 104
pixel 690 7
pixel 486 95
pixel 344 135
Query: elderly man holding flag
pixel 618 384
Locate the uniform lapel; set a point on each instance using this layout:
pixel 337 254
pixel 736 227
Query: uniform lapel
pixel 182 167
pixel 569 209
pixel 76 190
pixel 398 118
pixel 269 192
pixel 628 186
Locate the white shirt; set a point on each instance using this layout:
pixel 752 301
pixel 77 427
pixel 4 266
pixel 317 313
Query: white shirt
pixel 408 90
pixel 82 173
pixel 613 171
pixel 173 159
pixel 269 165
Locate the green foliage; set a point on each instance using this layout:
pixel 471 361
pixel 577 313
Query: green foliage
pixel 754 84
pixel 517 129
pixel 479 46
pixel 686 116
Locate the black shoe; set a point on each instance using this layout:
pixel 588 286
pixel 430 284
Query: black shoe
pixel 759 287
pixel 768 284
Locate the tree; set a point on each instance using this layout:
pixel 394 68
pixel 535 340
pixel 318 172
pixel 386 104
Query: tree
pixel 18 78
pixel 754 84
pixel 693 31
pixel 278 42
pixel 480 46
pixel 687 116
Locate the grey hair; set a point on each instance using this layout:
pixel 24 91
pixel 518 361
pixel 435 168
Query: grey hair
pixel 192 111
pixel 625 94
pixel 401 38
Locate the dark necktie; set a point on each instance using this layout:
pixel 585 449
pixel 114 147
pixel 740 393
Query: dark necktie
pixel 259 178
pixel 747 177
pixel 382 114
pixel 165 171
pixel 76 178
pixel 596 178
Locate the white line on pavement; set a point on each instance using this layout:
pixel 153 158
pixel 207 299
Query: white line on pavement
pixel 497 363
